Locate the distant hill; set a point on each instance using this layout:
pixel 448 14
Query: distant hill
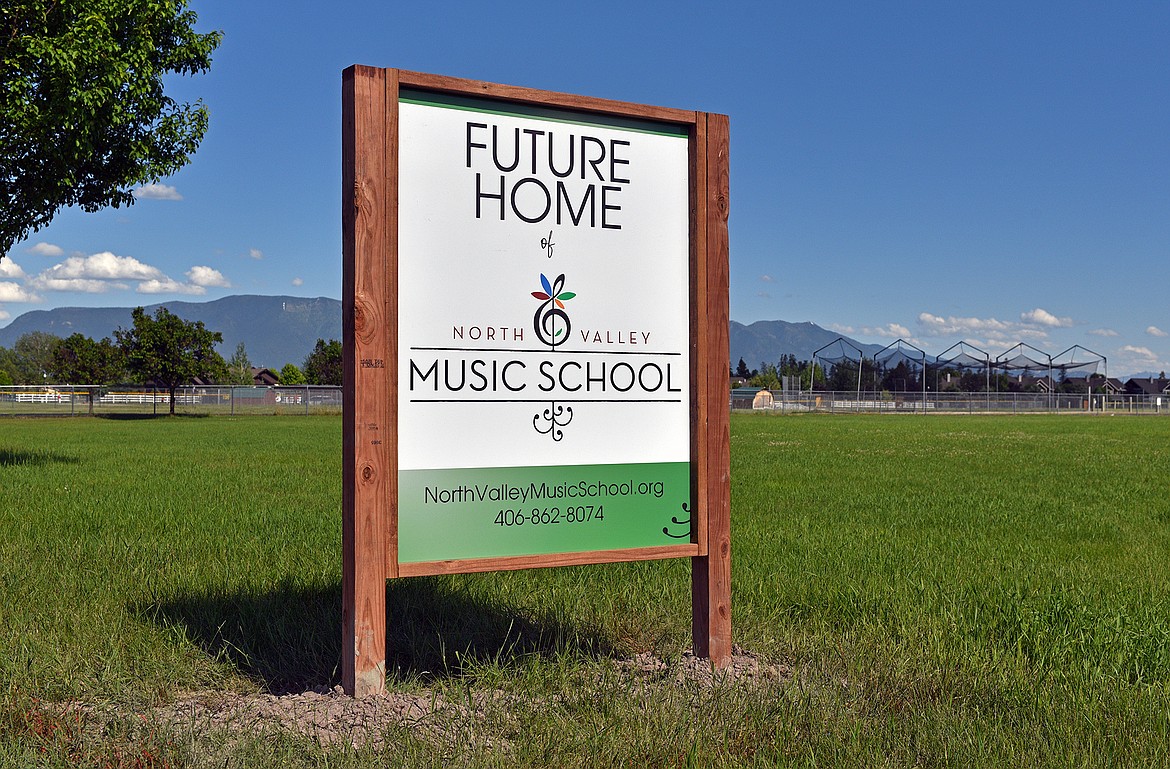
pixel 275 330
pixel 766 340
pixel 283 329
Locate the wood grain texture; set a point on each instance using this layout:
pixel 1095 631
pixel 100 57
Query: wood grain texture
pixel 711 573
pixel 699 342
pixel 470 565
pixel 544 98
pixel 390 327
pixel 366 427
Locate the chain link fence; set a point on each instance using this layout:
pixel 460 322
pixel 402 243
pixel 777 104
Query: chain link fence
pixel 948 402
pixel 82 400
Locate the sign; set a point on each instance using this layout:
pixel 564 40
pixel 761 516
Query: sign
pixel 544 335
pixel 535 289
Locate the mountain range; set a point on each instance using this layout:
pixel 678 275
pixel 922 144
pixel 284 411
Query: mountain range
pixel 277 330
pixel 766 340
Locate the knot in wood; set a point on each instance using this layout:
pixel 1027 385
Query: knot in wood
pixel 367 473
pixel 363 318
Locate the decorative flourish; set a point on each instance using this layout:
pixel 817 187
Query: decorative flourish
pixel 552 416
pixel 553 307
pixel 677 522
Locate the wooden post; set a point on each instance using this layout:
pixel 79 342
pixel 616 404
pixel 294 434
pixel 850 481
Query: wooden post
pixel 370 480
pixel 711 573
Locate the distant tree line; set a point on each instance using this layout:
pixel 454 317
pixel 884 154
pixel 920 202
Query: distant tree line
pixel 874 378
pixel 161 350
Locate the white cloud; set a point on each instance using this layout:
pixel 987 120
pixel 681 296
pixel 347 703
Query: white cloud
pixel 255 253
pixel 842 329
pixel 767 279
pixel 46 249
pixel 77 285
pixel 1041 317
pixel 1103 332
pixel 102 266
pixel 206 276
pixel 4 315
pixel 890 330
pixel 10 269
pixel 935 325
pixel 14 292
pixel 157 192
pixel 298 282
pixel 167 285
pixel 1145 354
pixel 105 271
pixel 1155 331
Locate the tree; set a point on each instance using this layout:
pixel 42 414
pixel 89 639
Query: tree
pixel 742 370
pixel 83 116
pixel 77 359
pixel 170 351
pixel 80 360
pixel 323 366
pixel 291 375
pixel 766 377
pixel 239 368
pixel 33 353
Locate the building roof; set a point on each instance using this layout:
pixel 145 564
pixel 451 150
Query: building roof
pixel 1148 386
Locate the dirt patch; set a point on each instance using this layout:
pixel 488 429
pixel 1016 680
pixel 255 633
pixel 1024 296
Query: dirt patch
pixel 332 719
pixel 745 667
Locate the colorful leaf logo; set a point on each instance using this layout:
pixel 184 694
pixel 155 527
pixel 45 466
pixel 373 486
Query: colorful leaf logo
pixel 551 322
pixel 558 298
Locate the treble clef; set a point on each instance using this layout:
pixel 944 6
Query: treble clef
pixel 544 322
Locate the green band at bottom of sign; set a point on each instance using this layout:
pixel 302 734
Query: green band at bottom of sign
pixel 494 512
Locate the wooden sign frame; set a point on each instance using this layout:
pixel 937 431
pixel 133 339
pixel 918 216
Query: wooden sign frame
pixel 370 155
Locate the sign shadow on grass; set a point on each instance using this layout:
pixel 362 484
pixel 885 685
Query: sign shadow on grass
pixel 288 639
pixel 16 457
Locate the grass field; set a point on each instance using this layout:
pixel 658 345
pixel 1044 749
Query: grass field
pixel 948 591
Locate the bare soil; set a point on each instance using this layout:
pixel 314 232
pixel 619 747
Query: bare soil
pixel 332 719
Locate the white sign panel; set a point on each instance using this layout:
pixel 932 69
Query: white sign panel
pixel 543 305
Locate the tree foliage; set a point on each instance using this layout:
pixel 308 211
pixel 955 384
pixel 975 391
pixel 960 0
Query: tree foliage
pixel 83 115
pixel 291 375
pixel 239 368
pixel 33 355
pixel 170 351
pixel 324 365
pixel 80 360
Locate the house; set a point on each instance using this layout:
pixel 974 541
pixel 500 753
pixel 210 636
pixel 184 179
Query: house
pixel 1030 383
pixel 264 377
pixel 1147 386
pixel 1111 385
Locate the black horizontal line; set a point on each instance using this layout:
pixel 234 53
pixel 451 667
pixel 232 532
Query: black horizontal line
pixel 545 400
pixel 558 352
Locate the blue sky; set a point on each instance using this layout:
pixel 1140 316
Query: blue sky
pixel 994 172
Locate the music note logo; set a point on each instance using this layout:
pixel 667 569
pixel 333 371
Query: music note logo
pixel 545 321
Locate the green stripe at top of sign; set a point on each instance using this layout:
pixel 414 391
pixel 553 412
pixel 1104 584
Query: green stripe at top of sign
pixel 552 114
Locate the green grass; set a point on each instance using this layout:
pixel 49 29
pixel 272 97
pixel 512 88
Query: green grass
pixel 966 591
